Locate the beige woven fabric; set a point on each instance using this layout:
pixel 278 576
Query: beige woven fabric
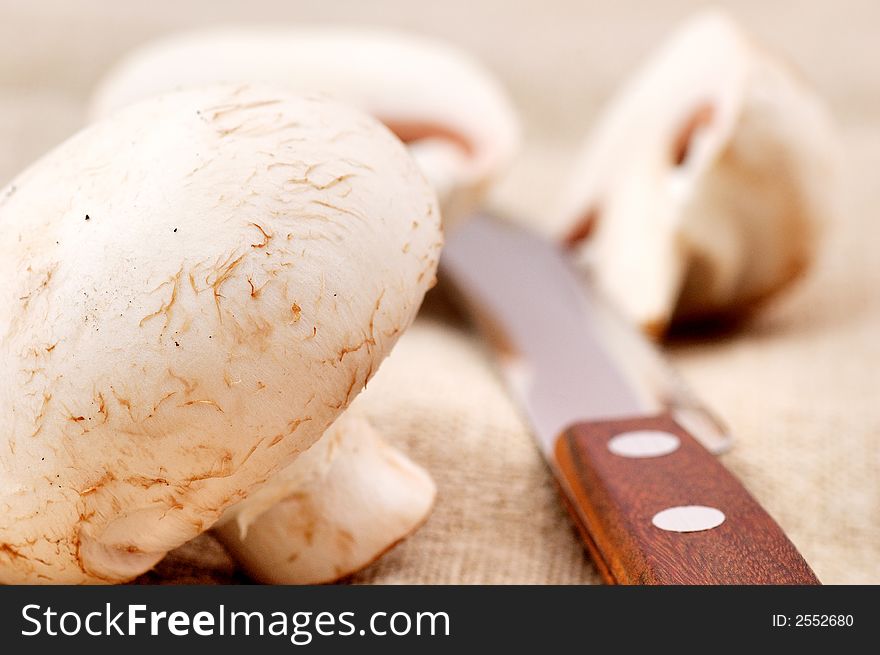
pixel 799 385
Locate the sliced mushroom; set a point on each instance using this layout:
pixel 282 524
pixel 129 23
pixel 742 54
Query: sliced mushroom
pixel 337 508
pixel 700 191
pixel 194 289
pixel 454 115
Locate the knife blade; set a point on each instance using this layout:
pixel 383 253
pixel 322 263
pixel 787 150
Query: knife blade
pixel 627 441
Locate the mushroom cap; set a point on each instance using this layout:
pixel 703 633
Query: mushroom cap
pixel 458 119
pixel 702 186
pixel 336 509
pixel 193 289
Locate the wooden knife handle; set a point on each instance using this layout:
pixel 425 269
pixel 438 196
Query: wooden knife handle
pixel 615 498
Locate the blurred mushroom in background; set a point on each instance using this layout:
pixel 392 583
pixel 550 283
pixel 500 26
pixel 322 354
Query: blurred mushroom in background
pixel 701 191
pixel 455 117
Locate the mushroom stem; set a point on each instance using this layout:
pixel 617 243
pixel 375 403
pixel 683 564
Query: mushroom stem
pixel 337 508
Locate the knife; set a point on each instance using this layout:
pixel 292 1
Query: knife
pixel 631 448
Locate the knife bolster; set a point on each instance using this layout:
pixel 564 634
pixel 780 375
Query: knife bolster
pixel 617 501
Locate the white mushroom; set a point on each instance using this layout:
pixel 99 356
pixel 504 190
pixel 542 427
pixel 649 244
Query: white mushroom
pixel 193 290
pixel 338 507
pixel 454 115
pixel 700 190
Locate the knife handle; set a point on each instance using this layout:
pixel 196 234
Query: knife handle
pixel 632 484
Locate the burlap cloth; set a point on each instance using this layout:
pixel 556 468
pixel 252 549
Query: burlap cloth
pixel 800 384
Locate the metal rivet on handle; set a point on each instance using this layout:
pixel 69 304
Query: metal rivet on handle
pixel 688 518
pixel 643 443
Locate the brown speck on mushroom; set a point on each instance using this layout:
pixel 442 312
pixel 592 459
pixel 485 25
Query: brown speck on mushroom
pixel 255 291
pixel 211 403
pixel 123 401
pixel 221 274
pixel 266 237
pixel 102 407
pixel 41 415
pixel 165 307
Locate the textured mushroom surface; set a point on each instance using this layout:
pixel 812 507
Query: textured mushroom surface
pixel 337 508
pixel 701 190
pixel 192 291
pixel 455 116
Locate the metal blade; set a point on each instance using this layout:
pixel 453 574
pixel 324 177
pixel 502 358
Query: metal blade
pixel 564 353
